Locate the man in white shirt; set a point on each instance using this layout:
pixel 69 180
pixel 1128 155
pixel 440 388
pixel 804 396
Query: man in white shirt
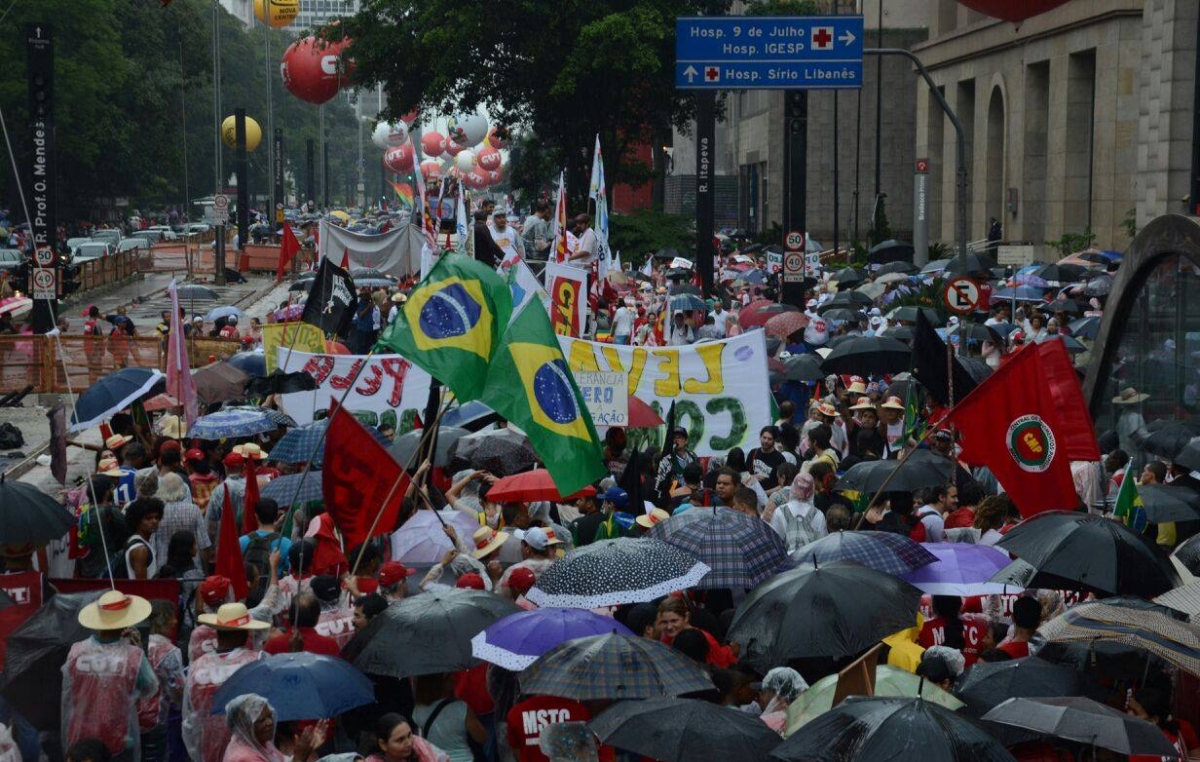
pixel 719 314
pixel 584 254
pixel 942 501
pixel 622 324
pixel 506 238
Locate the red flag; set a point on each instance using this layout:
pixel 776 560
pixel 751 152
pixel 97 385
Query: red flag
pixel 1078 433
pixel 229 551
pixel 328 557
pixel 1010 424
pixel 289 248
pixel 249 518
pixel 346 258
pixel 361 480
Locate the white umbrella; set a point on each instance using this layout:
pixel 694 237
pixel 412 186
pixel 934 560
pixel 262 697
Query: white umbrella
pixel 423 541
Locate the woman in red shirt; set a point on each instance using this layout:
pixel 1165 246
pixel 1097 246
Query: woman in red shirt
pixel 1154 705
pixel 674 617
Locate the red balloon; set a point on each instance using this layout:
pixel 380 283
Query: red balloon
pixel 489 159
pixel 479 176
pixel 411 116
pixel 494 140
pixel 495 176
pixel 431 170
pixel 399 159
pixel 1015 11
pixel 314 70
pixel 454 149
pixel 433 144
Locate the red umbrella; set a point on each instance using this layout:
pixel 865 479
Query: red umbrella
pixel 160 402
pixel 760 311
pixel 641 415
pixel 336 348
pixel 785 324
pixel 531 486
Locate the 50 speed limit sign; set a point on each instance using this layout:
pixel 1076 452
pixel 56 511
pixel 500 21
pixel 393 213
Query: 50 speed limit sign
pixel 794 240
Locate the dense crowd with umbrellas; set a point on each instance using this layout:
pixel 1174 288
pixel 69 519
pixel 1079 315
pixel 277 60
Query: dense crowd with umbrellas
pixel 856 587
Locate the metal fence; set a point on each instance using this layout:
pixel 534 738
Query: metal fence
pixel 115 268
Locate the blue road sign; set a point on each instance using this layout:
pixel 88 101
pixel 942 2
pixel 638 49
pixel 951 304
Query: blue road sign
pixel 768 52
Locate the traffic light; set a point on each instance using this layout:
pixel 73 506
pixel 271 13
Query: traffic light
pixel 796 104
pixel 40 95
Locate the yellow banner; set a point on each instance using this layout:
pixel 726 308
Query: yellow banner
pixel 307 338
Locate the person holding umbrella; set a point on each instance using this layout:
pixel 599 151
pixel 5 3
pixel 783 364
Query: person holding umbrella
pixel 250 722
pixel 106 675
pixel 675 617
pixel 670 469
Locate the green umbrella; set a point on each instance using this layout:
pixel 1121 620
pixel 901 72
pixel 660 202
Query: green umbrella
pixel 889 681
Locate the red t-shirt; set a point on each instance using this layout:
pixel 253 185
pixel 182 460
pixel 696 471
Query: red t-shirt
pixel 314 643
pixel 961 518
pixel 1017 649
pixel 933 633
pixel 527 719
pixel 470 686
pixel 1185 732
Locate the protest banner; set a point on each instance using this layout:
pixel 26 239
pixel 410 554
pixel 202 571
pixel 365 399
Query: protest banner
pixel 567 287
pixel 606 396
pixel 302 337
pixel 389 389
pixel 719 388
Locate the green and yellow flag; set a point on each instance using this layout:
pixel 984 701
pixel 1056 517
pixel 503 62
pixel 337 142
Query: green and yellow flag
pixel 1129 509
pixel 530 384
pixel 451 324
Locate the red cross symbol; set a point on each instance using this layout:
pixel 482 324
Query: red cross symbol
pixel 712 74
pixel 822 38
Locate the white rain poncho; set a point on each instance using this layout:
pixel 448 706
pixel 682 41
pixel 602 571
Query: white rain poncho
pixel 240 716
pixel 205 734
pixel 102 682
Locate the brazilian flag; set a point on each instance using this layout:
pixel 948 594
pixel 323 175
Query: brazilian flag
pixel 530 384
pixel 451 324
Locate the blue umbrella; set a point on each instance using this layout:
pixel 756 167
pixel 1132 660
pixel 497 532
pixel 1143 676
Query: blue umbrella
pixel 276 417
pixel 231 424
pixel 250 363
pixel 282 489
pixel 517 640
pixel 298 444
pixel 220 312
pixel 687 303
pixel 112 394
pixel 299 686
pixel 1020 293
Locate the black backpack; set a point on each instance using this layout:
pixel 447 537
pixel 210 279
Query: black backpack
pixel 258 551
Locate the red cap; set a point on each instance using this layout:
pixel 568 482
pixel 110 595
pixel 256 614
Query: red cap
pixel 470 581
pixel 367 585
pixel 521 579
pixel 170 444
pixel 392 572
pixel 215 590
pixel 194 454
pixel 233 460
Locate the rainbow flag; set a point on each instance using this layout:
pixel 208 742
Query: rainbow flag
pixel 404 192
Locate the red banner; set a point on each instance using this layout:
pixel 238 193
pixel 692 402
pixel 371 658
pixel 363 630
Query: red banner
pixel 565 294
pixel 360 481
pixel 23 588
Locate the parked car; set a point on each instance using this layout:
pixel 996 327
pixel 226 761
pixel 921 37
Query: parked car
pixel 110 236
pixel 168 233
pixel 73 243
pixel 151 235
pixel 93 250
pixel 198 227
pixel 136 242
pixel 11 260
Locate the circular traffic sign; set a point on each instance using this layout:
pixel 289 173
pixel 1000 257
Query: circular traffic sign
pixel 220 202
pixel 43 257
pixel 43 280
pixel 961 295
pixel 793 262
pixel 794 240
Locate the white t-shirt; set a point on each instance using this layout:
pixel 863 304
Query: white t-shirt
pixel 586 242
pixel 622 321
pixel 508 240
pixel 719 322
pixel 817 331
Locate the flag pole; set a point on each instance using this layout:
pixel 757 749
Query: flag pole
pixel 888 480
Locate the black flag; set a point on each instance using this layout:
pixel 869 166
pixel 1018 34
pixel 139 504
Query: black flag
pixel 929 364
pixel 332 301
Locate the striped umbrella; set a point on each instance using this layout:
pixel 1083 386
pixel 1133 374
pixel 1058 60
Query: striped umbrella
pixel 1172 641
pixel 740 551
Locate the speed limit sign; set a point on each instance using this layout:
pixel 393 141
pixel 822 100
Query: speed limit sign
pixel 794 240
pixel 43 257
pixel 793 267
pixel 44 284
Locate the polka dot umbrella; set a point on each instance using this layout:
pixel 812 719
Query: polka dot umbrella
pixel 612 572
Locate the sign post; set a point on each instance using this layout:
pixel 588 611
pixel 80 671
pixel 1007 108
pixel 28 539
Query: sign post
pixel 921 213
pixel 706 170
pixel 43 211
pixel 277 164
pixel 220 213
pixel 962 295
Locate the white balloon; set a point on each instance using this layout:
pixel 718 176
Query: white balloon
pixel 465 161
pixel 467 129
pixel 397 133
pixel 380 135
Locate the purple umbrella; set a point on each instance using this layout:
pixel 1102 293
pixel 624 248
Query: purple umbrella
pixel 961 569
pixel 517 640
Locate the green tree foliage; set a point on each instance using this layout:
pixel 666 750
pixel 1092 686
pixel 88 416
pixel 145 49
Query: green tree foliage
pixel 126 73
pixel 567 69
pixel 646 231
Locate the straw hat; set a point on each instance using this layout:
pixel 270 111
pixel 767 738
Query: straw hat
pixel 399 298
pixel 117 441
pixel 109 467
pixel 826 409
pixel 232 616
pixel 1129 396
pixel 114 611
pixel 863 403
pixel 857 386
pixel 250 450
pixel 893 403
pixel 172 427
pixel 656 516
pixel 488 540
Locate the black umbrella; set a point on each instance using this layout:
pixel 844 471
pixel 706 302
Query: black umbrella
pixel 683 288
pixel 1169 502
pixel 805 367
pixel 666 253
pixel 868 356
pixel 1086 327
pixel 902 267
pixel 113 393
pixel 280 383
pixel 614 666
pixel 1075 718
pixel 220 382
pixel 398 641
pixel 36 653
pixel 847 276
pixel 923 468
pixel 1093 552
pixel 362 273
pixel 675 730
pixel 1062 304
pixel 30 516
pixel 989 684
pixel 890 250
pixel 1188 554
pixel 806 613
pixel 892 729
pixel 842 314
pixel 849 299
pixel 193 291
pixel 302 285
pixel 1060 273
pixel 974 263
pixel 1166 437
pixel 404 446
pixel 908 314
pixel 502 452
pixel 899 333
pixel 612 572
pixel 976 332
pixel 1189 456
pixel 1100 285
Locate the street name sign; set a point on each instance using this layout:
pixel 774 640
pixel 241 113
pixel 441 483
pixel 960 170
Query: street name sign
pixel 768 52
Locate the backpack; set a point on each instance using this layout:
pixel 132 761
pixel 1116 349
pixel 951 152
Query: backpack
pixel 120 569
pixel 258 551
pixel 918 529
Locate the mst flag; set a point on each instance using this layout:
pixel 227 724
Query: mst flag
pixel 929 364
pixel 530 384
pixel 361 481
pixel 1011 425
pixel 332 301
pixel 1078 435
pixel 451 324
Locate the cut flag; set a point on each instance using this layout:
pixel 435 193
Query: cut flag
pixel 558 231
pixel 289 248
pixel 451 324
pixel 180 383
pixel 1129 509
pixel 1011 425
pixel 361 481
pixel 229 551
pixel 530 384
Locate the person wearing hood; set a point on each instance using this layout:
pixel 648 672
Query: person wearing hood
pixel 798 521
pixel 250 721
